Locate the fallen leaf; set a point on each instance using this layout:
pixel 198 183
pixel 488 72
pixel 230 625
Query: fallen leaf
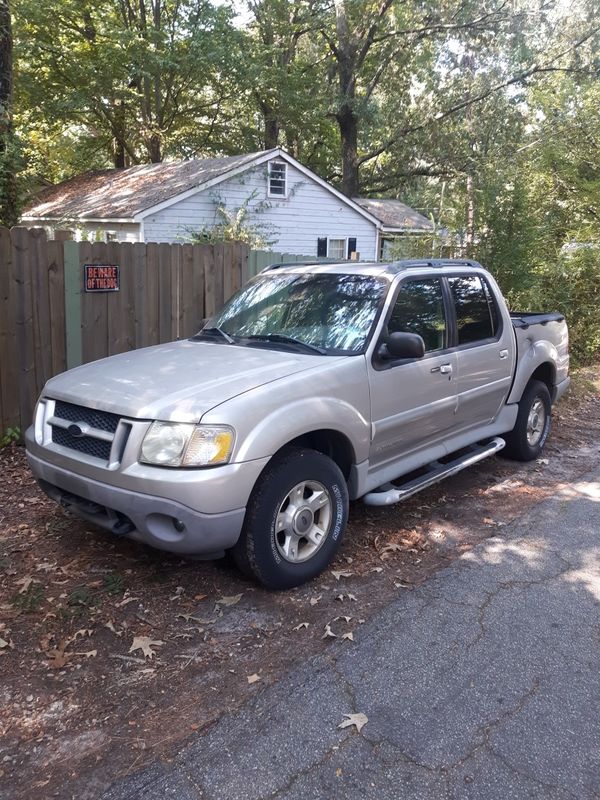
pixel 377 569
pixel 348 635
pixel 25 583
pixel 229 601
pixel 253 678
pixel 199 597
pixel 542 461
pixel 314 600
pixel 3 643
pixel 392 547
pixel 351 597
pixel 346 619
pixel 88 654
pixel 358 720
pixel 328 633
pixel 126 601
pixel 145 644
pixel 400 585
pixel 300 625
pixel 112 628
pixel 341 574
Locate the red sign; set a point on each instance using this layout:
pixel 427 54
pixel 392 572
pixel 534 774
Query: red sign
pixel 100 278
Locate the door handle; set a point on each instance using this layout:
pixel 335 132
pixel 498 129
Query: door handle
pixel 503 353
pixel 445 369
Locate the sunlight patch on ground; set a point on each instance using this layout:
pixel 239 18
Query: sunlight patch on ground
pixel 496 551
pixel 590 489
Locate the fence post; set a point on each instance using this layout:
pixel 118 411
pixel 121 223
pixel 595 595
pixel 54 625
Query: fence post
pixel 73 282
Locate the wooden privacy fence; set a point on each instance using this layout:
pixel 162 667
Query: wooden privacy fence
pixel 48 323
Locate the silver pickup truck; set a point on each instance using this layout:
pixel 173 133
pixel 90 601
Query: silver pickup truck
pixel 315 385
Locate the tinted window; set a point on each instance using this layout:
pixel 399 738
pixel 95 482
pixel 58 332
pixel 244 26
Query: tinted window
pixel 476 313
pixel 420 309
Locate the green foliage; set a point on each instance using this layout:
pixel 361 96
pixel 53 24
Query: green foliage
pixel 30 600
pixel 9 436
pixel 236 225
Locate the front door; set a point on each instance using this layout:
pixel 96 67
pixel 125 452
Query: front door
pixel 413 402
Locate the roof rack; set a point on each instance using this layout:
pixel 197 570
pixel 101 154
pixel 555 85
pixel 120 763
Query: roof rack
pixel 293 264
pixel 435 262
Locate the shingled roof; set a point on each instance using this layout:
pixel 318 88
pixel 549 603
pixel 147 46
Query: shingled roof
pixel 123 193
pixel 394 215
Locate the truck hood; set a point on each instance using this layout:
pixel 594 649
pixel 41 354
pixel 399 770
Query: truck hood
pixel 179 381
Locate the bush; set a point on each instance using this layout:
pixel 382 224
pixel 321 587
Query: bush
pixel 572 286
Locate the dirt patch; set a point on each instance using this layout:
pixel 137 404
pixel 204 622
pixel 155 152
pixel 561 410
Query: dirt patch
pixel 111 654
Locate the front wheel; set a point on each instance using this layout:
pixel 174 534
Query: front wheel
pixel 295 520
pixel 527 439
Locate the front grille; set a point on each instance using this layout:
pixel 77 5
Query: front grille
pixel 101 420
pixel 97 448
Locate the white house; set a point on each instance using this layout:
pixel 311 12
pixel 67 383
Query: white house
pixel 297 211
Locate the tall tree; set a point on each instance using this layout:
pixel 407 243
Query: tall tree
pixel 8 184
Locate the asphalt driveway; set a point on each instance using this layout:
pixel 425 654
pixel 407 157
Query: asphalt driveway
pixel 483 683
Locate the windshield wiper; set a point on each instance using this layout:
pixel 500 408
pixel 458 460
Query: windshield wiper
pixel 280 338
pixel 218 331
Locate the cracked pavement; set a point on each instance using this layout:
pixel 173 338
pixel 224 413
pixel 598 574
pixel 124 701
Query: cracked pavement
pixel 482 683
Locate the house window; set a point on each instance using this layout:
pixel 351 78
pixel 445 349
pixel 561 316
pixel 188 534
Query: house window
pixel 277 179
pixel 336 248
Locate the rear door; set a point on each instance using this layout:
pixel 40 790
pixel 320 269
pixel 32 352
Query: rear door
pixel 485 345
pixel 413 402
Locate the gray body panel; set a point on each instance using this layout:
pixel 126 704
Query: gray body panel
pixel 394 420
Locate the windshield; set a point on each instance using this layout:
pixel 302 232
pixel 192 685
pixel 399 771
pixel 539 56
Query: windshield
pixel 328 311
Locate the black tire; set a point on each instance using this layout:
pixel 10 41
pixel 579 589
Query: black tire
pixel 518 447
pixel 258 552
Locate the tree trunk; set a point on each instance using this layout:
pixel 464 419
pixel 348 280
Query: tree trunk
pixel 470 235
pixel 155 149
pixel 119 155
pixel 8 185
pixel 348 125
pixel 271 131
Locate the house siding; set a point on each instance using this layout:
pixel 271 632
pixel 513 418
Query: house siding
pixel 292 224
pixel 123 231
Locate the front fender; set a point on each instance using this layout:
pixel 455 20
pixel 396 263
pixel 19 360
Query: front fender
pixel 333 397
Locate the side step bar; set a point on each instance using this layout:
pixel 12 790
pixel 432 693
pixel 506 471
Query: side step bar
pixel 388 494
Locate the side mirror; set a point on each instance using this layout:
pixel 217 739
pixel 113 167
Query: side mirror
pixel 402 345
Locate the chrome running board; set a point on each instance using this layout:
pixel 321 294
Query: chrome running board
pixel 388 494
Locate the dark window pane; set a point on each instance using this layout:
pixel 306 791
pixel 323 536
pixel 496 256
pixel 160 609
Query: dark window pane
pixel 473 315
pixel 420 309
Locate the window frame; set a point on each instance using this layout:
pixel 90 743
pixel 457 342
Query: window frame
pixel 344 247
pixel 479 342
pixel 380 364
pixel 279 163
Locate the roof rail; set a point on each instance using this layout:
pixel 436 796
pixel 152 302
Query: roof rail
pixel 435 262
pixel 295 264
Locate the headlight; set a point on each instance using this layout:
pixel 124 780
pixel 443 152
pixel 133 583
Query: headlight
pixel 179 444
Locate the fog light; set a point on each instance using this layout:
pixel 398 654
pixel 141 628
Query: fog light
pixel 178 525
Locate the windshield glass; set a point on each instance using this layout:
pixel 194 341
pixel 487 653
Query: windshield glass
pixel 329 311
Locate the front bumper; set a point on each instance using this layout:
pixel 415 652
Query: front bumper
pixel 153 512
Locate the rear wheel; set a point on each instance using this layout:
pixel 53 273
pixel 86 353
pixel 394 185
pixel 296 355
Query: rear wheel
pixel 527 439
pixel 295 520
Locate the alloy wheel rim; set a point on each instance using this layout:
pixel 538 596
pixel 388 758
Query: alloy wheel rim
pixel 536 422
pixel 303 521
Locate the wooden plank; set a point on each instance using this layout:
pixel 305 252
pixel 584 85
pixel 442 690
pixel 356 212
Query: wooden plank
pixel 73 305
pixel 175 268
pixel 9 376
pixel 121 320
pixel 56 297
pixel 94 306
pixel 164 293
pixel 152 282
pixel 198 283
pixel 40 297
pixel 187 290
pixel 21 275
pixel 219 262
pixel 208 259
pixel 244 255
pixel 140 294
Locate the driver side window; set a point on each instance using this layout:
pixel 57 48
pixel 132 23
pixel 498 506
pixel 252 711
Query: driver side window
pixel 419 308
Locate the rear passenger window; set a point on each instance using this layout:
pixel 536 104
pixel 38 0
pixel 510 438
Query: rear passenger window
pixel 476 312
pixel 419 309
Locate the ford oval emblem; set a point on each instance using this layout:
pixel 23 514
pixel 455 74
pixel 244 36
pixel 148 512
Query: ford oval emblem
pixel 75 431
